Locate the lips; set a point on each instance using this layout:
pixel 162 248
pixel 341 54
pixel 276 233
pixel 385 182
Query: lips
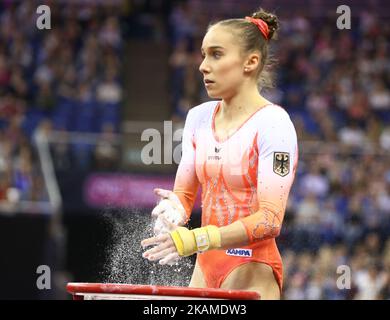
pixel 208 81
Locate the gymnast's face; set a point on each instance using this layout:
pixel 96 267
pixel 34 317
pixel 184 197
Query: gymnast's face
pixel 223 63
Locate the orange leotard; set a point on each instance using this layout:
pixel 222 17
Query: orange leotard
pixel 246 177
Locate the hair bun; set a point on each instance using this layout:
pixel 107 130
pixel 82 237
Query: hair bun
pixel 271 20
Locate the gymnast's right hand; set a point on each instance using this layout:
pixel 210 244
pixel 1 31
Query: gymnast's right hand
pixel 169 210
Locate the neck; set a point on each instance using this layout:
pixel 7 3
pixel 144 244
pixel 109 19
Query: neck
pixel 243 103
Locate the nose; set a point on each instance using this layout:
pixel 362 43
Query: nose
pixel 204 68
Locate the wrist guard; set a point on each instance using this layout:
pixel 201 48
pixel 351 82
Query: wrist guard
pixel 188 242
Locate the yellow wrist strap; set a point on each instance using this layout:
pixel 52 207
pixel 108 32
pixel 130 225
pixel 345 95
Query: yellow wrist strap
pixel 188 242
pixel 214 237
pixel 177 241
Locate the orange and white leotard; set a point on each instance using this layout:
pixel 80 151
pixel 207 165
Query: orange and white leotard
pixel 245 177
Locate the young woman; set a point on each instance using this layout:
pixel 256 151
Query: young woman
pixel 242 150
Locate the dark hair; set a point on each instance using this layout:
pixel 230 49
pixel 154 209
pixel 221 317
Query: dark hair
pixel 251 39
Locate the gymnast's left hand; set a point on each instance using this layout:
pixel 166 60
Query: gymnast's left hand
pixel 164 249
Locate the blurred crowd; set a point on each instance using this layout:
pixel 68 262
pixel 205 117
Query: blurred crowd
pixel 335 84
pixel 66 78
pixel 336 272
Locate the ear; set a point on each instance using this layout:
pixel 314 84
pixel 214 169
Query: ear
pixel 252 62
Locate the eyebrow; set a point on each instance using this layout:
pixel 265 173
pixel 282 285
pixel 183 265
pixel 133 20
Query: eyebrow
pixel 212 47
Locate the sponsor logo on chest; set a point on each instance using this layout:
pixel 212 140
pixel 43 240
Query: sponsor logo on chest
pixel 215 156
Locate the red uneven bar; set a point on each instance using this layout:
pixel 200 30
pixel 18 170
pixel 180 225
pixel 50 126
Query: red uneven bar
pixel 79 288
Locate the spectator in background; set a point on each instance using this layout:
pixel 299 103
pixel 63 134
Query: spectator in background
pixel 67 87
pixel 4 186
pixel 18 83
pixel 5 74
pixel 106 151
pixel 109 90
pixel 308 213
pixel 45 99
pixel 352 135
pixel 178 62
pixel 109 34
pixel 331 223
pixel 380 96
pixel 314 182
pixel 384 139
pixel 62 156
pixel 370 282
pixel 23 171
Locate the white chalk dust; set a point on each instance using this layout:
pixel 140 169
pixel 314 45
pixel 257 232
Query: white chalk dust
pixel 124 261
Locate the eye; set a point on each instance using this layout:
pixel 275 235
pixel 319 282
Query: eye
pixel 217 54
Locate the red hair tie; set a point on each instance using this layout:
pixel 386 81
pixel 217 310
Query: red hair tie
pixel 261 24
